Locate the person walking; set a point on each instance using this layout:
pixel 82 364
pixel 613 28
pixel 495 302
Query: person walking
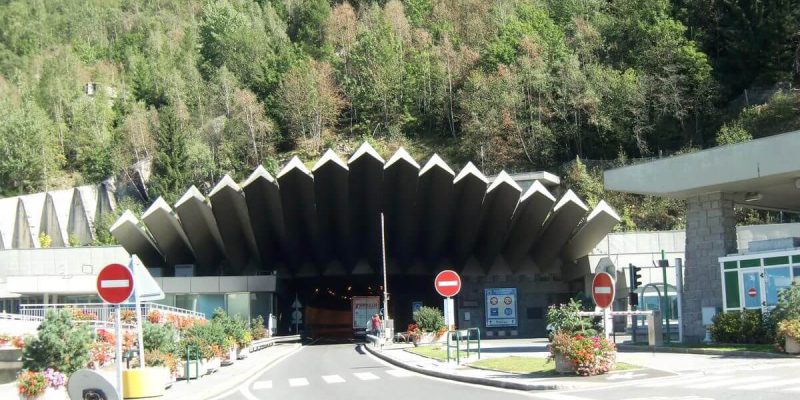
pixel 375 325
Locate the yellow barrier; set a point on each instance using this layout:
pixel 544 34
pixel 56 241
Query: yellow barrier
pixel 144 382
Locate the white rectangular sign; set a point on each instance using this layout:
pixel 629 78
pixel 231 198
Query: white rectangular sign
pixel 501 307
pixel 364 307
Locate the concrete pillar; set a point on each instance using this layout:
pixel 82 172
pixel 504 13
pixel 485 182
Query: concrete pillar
pixel 710 234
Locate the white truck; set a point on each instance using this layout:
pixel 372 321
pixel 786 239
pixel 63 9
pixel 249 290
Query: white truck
pixel 364 307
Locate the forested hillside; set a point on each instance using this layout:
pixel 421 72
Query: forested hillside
pixel 92 88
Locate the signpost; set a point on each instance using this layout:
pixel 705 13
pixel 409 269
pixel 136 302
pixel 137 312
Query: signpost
pixel 603 291
pixel 448 284
pixel 115 285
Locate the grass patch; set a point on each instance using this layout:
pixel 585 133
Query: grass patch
pixel 530 365
pixel 435 352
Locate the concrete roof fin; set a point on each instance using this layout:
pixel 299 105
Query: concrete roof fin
pixel 501 178
pixel 365 148
pixel 570 197
pixel 127 216
pixel 192 192
pixel 226 181
pixel 602 206
pixel 436 161
pixel 401 154
pixel 537 187
pixel 259 172
pixel 470 169
pixel 160 203
pixel 329 156
pixel 294 163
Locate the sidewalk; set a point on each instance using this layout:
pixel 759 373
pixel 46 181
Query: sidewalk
pixel 228 378
pixel 653 365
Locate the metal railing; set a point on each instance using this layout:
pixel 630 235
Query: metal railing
pixel 463 335
pixel 103 312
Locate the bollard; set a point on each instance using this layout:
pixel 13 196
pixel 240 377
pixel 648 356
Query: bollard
pixel 654 335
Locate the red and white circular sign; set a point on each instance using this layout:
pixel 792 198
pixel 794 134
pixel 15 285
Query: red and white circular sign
pixel 447 283
pixel 115 283
pixel 752 292
pixel 603 289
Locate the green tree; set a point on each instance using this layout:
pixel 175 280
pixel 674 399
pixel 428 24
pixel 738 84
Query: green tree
pixel 60 344
pixel 170 165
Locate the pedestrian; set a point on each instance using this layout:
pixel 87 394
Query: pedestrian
pixel 375 325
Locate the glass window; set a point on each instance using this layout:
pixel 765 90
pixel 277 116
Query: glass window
pixel 775 280
pixel 751 289
pixel 239 304
pixel 796 270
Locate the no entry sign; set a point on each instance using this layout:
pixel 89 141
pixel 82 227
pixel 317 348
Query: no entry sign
pixel 115 283
pixel 447 283
pixel 603 289
pixel 752 292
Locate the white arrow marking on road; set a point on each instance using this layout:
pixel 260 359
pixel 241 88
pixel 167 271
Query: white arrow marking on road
pixel 603 289
pixel 115 283
pixel 448 283
pixel 627 375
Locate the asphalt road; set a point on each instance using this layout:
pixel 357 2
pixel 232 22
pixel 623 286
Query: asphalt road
pixel 340 371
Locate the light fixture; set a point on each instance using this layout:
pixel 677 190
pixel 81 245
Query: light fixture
pixel 753 196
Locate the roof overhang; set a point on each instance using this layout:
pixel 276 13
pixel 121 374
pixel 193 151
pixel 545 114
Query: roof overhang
pixel 762 173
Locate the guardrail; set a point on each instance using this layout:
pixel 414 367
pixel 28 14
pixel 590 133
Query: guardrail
pixel 105 312
pixel 463 335
pixel 259 344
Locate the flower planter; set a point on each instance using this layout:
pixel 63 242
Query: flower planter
pixel 144 382
pixel 241 353
pixel 792 347
pixel 563 365
pixel 39 397
pixel 230 357
pixel 195 370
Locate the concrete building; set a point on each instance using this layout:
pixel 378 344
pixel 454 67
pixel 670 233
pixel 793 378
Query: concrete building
pixel 763 173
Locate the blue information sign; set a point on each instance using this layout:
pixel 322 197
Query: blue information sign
pixel 501 307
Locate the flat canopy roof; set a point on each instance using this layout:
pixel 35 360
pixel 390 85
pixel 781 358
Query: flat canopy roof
pixel 762 173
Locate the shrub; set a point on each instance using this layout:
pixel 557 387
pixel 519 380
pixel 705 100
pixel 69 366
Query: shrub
pixel 745 327
pixel 789 327
pixel 235 328
pixel 208 338
pixel 60 344
pixel 429 319
pixel 158 337
pixel 566 318
pixel 257 328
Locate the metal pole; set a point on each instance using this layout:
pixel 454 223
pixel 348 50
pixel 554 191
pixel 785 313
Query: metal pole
pixel 385 288
pixel 118 333
pixel 679 287
pixel 666 291
pixel 139 320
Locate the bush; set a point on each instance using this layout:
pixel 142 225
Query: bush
pixel 589 355
pixel 742 327
pixel 565 318
pixel 429 319
pixel 235 328
pixel 158 337
pixel 60 344
pixel 257 328
pixel 787 309
pixel 209 338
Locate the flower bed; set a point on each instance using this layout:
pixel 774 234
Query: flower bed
pixel 587 355
pixel 32 384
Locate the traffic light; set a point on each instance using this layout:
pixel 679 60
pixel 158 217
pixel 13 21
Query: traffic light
pixel 635 277
pixel 633 299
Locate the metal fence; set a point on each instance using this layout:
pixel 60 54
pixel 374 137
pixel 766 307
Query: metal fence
pixel 104 313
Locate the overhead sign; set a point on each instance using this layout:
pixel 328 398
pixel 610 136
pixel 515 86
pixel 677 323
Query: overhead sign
pixel 501 307
pixel 447 283
pixel 603 289
pixel 115 283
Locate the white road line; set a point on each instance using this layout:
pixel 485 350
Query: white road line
pixel 793 389
pixel 774 383
pixel 728 382
pixel 295 382
pixel 399 373
pixel 680 381
pixel 262 385
pixel 557 396
pixel 366 376
pixel 332 379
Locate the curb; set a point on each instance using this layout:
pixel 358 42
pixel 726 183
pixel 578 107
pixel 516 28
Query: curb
pixel 708 352
pixel 466 379
pixel 240 378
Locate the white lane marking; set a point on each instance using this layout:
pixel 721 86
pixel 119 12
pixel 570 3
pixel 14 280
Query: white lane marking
pixel 366 376
pixel 728 382
pixel 294 382
pixel 557 396
pixel 332 379
pixel 399 373
pixel 603 290
pixel 115 283
pixel 448 283
pixel 768 384
pixel 262 385
pixel 680 381
pixel 794 389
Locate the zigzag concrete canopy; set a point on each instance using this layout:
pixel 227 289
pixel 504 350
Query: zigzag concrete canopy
pixel 327 221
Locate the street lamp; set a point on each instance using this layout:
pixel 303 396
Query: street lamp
pixel 385 288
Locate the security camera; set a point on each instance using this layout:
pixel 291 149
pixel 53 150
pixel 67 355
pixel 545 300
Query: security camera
pixel 94 394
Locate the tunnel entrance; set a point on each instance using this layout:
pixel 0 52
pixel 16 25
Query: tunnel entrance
pixel 327 302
